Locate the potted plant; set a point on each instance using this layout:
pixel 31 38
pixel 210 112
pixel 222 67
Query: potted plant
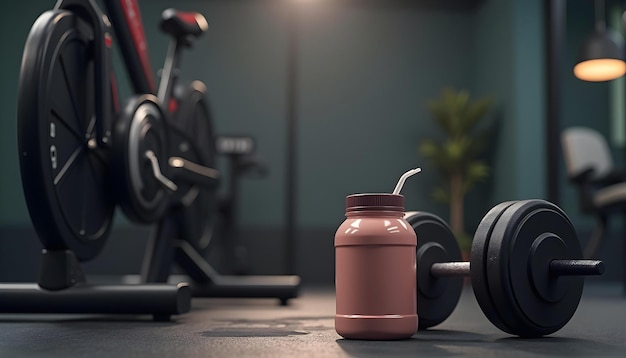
pixel 457 154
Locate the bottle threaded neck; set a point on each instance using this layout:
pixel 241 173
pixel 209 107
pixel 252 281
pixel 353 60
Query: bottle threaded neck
pixel 375 201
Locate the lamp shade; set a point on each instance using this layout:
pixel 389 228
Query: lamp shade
pixel 600 58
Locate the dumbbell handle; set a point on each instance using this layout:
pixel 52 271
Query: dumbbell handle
pixel 441 269
pixel 576 267
pixel 557 268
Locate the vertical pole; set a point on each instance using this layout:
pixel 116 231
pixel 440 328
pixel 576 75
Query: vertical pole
pixel 292 138
pixel 623 33
pixel 555 31
pixel 158 258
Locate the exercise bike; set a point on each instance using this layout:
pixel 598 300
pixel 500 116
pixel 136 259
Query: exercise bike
pixel 82 154
pixel 191 255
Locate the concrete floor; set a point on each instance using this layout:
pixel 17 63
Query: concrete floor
pixel 305 328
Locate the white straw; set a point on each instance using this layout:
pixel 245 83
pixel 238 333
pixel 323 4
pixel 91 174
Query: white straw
pixel 403 178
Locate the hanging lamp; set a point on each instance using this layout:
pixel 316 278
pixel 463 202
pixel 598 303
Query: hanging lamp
pixel 601 57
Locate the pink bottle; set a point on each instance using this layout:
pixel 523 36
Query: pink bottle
pixel 375 269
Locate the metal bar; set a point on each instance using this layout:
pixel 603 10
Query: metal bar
pixel 159 255
pixel 576 267
pixel 442 269
pixel 158 175
pixel 209 283
pixel 129 33
pixel 169 73
pixel 193 173
pixel 157 299
pixel 291 204
pixel 555 35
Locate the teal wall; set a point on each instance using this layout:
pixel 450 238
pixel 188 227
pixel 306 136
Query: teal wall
pixel 529 94
pixel 365 74
pixel 13 32
pixel 509 60
pixel 493 75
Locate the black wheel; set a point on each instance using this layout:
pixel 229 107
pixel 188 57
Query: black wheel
pixel 511 255
pixel 198 204
pixel 526 238
pixel 64 174
pixel 140 137
pixel 436 296
pixel 478 263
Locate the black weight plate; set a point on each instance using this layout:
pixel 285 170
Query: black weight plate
pixel 510 268
pixel 140 128
pixel 436 297
pixel 63 172
pixel 478 264
pixel 199 204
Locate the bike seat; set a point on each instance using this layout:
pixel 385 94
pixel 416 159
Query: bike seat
pixel 182 24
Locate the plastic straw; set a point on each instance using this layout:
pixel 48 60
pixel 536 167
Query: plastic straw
pixel 403 178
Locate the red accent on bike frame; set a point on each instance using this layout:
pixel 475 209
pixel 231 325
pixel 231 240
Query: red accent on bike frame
pixel 115 94
pixel 133 19
pixel 108 40
pixel 188 17
pixel 173 106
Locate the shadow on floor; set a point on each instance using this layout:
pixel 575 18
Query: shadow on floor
pixel 453 343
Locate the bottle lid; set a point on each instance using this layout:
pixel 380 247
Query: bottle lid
pixel 382 201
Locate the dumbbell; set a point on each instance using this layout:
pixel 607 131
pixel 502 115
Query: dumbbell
pixel 525 267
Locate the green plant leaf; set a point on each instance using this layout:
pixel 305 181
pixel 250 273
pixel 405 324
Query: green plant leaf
pixel 441 195
pixel 475 171
pixel 459 153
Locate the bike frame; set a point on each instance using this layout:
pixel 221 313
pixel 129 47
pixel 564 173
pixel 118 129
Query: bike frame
pixel 125 20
